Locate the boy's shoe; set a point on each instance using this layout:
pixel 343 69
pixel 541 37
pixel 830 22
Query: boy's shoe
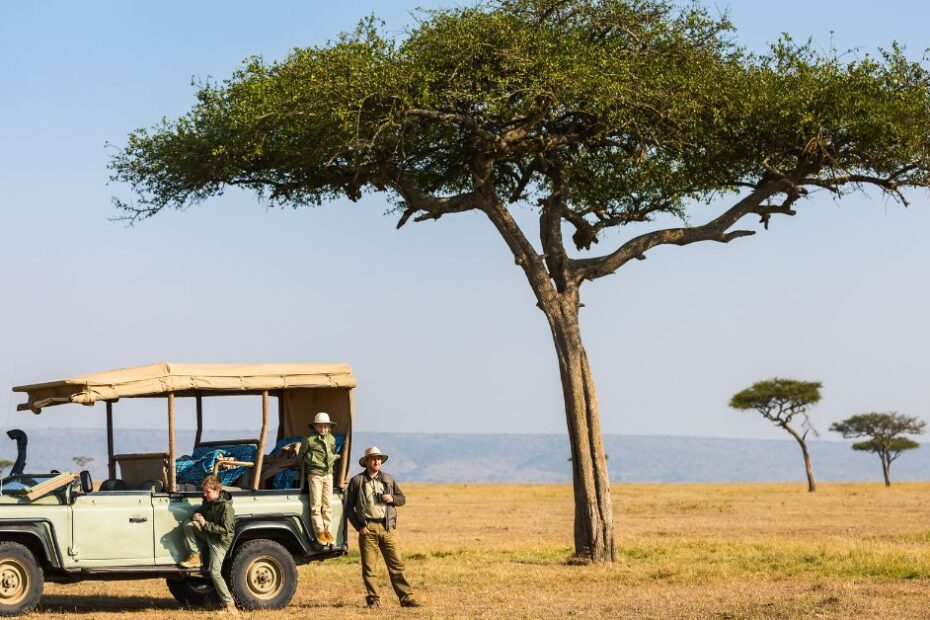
pixel 373 603
pixel 410 602
pixel 231 610
pixel 191 562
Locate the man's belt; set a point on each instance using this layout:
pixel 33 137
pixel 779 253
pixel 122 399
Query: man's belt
pixel 374 521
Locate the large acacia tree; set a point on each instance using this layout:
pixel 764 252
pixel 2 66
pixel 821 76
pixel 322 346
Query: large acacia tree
pixel 594 114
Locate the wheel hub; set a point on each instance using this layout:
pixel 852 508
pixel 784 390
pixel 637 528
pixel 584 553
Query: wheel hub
pixel 9 581
pixel 264 578
pixel 13 582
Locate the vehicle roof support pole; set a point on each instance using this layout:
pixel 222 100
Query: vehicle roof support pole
pixel 111 464
pixel 260 456
pixel 172 484
pixel 343 463
pixel 199 420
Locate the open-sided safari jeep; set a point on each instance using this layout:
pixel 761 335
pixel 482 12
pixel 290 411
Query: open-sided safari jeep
pixel 62 527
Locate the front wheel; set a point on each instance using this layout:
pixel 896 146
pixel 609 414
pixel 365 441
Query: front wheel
pixel 263 575
pixel 21 579
pixel 193 591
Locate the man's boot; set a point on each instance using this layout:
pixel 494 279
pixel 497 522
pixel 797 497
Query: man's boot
pixel 191 562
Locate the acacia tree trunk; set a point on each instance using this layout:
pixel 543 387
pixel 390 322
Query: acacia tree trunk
pixel 593 510
pixel 809 467
pixel 886 468
pixel 556 291
pixel 808 464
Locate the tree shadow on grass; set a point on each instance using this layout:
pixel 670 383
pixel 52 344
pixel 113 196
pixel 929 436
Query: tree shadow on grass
pixel 84 604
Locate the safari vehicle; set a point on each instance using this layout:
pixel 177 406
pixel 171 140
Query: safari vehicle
pixel 62 527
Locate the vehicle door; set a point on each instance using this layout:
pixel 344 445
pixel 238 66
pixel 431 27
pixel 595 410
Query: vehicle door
pixel 171 511
pixel 112 528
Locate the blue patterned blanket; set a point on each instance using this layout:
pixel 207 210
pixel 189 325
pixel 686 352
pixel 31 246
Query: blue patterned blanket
pixel 194 468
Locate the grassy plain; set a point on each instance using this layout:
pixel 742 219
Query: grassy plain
pixel 686 551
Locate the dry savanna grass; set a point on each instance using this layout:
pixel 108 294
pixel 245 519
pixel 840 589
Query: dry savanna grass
pixel 686 551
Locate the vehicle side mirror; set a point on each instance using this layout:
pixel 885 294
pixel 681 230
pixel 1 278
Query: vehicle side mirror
pixel 87 483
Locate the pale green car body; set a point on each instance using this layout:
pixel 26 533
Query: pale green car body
pixel 76 534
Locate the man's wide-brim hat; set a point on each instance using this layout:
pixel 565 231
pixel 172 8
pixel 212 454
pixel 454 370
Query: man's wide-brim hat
pixel 369 452
pixel 322 418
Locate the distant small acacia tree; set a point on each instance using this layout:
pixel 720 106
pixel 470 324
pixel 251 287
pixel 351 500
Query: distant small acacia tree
pixel 781 401
pixel 4 463
pixel 81 461
pixel 884 431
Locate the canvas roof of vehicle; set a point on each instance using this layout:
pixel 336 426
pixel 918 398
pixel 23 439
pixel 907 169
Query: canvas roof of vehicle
pixel 160 379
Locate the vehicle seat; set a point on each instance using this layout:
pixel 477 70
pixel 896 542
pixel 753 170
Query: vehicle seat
pixel 112 484
pixel 155 486
pixel 137 467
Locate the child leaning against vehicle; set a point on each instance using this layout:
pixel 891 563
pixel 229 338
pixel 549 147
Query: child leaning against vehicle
pixel 213 524
pixel 318 451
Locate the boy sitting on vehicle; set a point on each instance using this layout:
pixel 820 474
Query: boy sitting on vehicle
pixel 318 453
pixel 214 525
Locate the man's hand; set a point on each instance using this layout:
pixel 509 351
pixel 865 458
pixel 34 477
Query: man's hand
pixel 387 498
pixel 199 518
pixel 363 531
pixel 291 448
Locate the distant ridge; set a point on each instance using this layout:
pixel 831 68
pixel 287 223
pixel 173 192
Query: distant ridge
pixel 436 457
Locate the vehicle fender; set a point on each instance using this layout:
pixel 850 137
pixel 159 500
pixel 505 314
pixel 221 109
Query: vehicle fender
pixel 275 527
pixel 37 534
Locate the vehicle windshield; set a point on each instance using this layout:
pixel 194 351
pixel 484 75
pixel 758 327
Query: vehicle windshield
pixel 23 482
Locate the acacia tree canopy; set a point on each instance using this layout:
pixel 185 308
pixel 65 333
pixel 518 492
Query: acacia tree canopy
pixel 631 109
pixel 894 447
pixel 884 431
pixel 779 400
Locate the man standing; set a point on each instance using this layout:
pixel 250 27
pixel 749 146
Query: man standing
pixel 371 506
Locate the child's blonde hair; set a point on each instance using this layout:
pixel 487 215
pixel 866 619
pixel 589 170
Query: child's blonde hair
pixel 211 482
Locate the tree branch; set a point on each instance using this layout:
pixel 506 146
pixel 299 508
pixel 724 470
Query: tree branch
pixel 550 229
pixel 526 175
pixel 586 232
pixel 432 207
pixel 714 230
pixel 889 185
pixel 465 121
pixel 524 254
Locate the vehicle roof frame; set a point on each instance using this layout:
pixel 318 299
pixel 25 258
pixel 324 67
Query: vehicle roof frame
pixel 172 381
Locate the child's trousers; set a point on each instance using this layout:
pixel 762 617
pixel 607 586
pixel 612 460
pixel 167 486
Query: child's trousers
pixel 321 492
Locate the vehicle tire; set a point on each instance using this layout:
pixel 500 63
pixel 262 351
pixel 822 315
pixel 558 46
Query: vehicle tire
pixel 21 579
pixel 263 575
pixel 193 591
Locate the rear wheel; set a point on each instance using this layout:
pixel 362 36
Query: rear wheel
pixel 21 579
pixel 263 575
pixel 193 591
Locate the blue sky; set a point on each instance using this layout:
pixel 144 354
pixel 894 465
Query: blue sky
pixel 437 321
